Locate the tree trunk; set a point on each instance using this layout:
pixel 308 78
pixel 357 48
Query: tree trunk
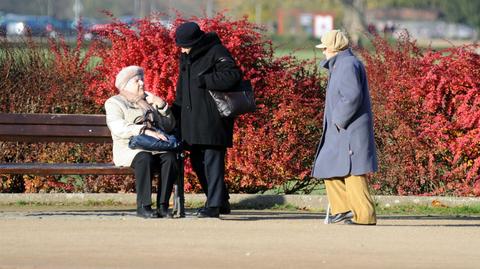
pixel 354 19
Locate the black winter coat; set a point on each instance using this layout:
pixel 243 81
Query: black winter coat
pixel 200 70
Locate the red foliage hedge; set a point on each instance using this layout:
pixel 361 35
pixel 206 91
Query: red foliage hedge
pixel 34 81
pixel 427 117
pixel 271 146
pixel 426 105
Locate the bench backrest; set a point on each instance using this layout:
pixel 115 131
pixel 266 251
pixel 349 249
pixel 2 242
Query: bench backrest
pixel 54 128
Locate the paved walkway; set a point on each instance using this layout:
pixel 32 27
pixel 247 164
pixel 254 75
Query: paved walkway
pixel 244 239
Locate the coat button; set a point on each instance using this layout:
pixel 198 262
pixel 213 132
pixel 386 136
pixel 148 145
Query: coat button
pixel 188 107
pixel 350 152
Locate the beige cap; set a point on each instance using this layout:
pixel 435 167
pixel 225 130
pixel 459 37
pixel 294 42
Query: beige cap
pixel 126 74
pixel 335 40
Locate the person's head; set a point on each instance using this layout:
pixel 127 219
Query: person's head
pixel 130 79
pixel 333 42
pixel 187 35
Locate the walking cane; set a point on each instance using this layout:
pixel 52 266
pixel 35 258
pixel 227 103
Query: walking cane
pixel 327 215
pixel 179 194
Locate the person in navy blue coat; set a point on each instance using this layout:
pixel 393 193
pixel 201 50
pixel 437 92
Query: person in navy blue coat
pixel 346 152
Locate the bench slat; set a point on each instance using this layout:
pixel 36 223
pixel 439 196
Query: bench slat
pixel 64 169
pixel 55 133
pixel 38 139
pixel 53 119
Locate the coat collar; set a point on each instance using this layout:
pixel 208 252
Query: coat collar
pixel 208 41
pixel 328 64
pixel 127 103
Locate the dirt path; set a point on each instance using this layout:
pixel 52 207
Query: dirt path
pixel 244 239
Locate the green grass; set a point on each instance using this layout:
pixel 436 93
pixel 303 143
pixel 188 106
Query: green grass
pixel 315 188
pixel 194 204
pixel 21 54
pixel 473 210
pixel 285 207
pixel 88 203
pixel 303 54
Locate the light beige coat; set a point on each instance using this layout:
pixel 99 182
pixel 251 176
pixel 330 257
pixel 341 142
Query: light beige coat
pixel 120 117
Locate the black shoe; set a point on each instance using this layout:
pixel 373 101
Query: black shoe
pixel 209 212
pixel 162 211
pixel 205 206
pixel 340 217
pixel 351 222
pixel 146 212
pixel 225 210
pixel 199 210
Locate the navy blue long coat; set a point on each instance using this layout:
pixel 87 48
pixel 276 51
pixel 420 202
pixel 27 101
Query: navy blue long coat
pixel 347 146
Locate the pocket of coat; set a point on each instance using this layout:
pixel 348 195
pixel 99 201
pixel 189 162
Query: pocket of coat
pixel 339 130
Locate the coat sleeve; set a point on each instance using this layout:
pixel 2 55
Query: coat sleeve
pixel 167 120
pixel 225 74
pixel 116 122
pixel 350 90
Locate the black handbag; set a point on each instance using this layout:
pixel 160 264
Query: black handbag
pixel 236 101
pixel 150 143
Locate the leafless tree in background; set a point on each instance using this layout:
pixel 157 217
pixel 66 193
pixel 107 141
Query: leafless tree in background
pixel 354 19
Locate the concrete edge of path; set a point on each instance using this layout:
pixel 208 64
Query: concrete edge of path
pixel 254 201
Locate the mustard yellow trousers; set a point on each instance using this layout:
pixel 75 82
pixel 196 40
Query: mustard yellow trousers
pixel 351 194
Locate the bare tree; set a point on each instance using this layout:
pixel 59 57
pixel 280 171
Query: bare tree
pixel 354 19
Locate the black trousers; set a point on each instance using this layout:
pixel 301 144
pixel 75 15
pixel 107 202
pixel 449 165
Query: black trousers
pixel 208 162
pixel 145 164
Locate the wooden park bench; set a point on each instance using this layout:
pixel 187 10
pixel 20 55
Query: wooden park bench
pixel 38 128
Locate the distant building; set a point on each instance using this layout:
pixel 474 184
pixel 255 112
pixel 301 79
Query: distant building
pixel 302 23
pixel 421 24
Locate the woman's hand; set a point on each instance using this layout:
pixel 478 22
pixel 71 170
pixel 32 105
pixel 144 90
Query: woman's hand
pixel 157 135
pixel 153 99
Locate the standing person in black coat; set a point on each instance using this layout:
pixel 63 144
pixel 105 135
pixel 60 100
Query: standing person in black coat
pixel 205 64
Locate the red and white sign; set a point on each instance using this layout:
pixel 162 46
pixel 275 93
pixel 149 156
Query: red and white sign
pixel 322 23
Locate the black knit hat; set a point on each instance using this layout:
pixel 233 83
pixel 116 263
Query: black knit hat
pixel 188 34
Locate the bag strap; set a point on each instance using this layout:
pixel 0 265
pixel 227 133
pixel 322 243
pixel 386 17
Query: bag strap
pixel 221 59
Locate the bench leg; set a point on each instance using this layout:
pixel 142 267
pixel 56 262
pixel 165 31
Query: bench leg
pixel 179 194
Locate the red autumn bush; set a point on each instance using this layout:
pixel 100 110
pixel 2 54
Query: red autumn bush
pixel 36 80
pixel 427 118
pixel 266 151
pixel 426 105
pixel 271 146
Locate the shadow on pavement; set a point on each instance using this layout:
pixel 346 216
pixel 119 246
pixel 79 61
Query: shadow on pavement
pixel 429 217
pixel 271 215
pixel 73 213
pixel 262 215
pixel 428 225
pixel 422 220
pixel 260 202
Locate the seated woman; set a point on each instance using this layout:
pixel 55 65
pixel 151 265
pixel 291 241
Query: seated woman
pixel 123 111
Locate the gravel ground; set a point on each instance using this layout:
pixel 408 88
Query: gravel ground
pixel 115 238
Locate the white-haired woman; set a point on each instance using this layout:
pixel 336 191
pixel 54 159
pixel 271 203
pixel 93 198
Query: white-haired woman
pixel 122 110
